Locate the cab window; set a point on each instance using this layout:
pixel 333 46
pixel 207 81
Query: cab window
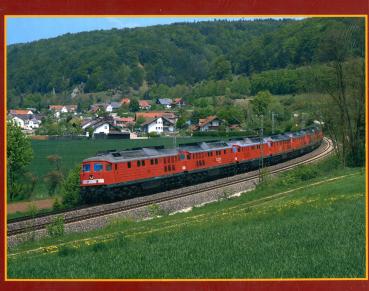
pixel 86 167
pixel 98 167
pixel 108 167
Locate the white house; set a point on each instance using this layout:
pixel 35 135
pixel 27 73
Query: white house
pixel 18 121
pixel 158 125
pixel 27 122
pixel 109 108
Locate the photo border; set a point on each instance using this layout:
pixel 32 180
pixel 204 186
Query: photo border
pixel 208 8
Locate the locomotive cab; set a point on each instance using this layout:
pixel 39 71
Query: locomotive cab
pixel 96 173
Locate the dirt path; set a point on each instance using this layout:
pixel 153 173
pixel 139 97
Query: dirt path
pixel 24 206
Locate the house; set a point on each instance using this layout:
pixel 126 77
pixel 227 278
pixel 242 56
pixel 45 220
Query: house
pixel 18 120
pixel 108 108
pixel 103 106
pixel 125 101
pixel 100 126
pixel 209 123
pixel 26 122
pixel 178 102
pixel 59 109
pixel 158 125
pixel 166 102
pixel 144 105
pixel 153 114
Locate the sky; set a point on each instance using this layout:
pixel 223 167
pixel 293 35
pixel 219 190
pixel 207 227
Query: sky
pixel 27 29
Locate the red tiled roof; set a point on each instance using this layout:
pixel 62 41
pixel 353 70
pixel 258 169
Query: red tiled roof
pixel 56 107
pixel 144 103
pixel 60 107
pixel 19 111
pixel 177 100
pixel 125 101
pixel 205 121
pixel 154 114
pixel 125 119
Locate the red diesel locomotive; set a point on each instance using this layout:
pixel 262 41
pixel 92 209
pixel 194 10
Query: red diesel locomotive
pixel 116 175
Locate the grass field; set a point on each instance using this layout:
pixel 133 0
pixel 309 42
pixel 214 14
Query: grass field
pixel 72 152
pixel 316 230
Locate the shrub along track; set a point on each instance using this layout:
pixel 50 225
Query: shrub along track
pixel 85 213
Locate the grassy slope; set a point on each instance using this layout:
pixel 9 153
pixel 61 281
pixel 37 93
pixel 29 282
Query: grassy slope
pixel 315 232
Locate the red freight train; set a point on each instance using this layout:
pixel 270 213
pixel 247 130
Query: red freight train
pixel 116 175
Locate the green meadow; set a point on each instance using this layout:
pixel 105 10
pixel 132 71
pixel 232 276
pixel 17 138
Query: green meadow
pixel 73 152
pixel 289 227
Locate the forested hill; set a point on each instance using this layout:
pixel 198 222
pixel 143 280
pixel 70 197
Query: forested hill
pixel 182 53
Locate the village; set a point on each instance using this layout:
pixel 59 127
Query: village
pixel 124 119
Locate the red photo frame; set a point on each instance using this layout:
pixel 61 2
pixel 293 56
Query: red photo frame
pixel 173 8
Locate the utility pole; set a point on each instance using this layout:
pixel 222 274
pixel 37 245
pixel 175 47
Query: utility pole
pixel 261 160
pixel 174 137
pixel 273 122
pixel 302 120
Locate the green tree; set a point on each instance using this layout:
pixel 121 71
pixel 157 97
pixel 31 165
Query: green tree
pixel 55 160
pixel 139 121
pixel 53 179
pixel 19 156
pixel 261 102
pixel 70 188
pixel 221 68
pixel 134 106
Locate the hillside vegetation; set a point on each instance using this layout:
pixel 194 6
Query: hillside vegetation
pixel 180 57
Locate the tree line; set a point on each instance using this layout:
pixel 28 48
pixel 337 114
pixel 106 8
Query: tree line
pixel 172 55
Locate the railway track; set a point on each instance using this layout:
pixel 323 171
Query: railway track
pixel 32 224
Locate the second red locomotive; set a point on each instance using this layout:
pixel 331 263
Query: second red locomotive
pixel 117 175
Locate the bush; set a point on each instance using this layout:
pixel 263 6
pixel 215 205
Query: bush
pixel 305 173
pixel 98 247
pixel 53 179
pixel 153 134
pixel 56 227
pixel 56 204
pixel 299 174
pixel 155 210
pixel 66 251
pixel 70 189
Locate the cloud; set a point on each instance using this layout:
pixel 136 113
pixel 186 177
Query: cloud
pixel 121 22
